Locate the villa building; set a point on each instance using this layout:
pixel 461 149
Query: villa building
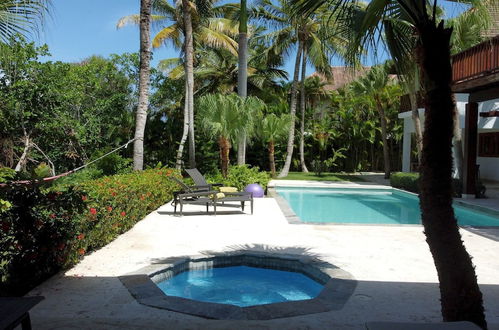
pixel 475 82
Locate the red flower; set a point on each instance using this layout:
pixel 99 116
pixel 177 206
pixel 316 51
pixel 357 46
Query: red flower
pixel 81 251
pixel 123 213
pixel 113 193
pixel 93 211
pixel 52 216
pixel 81 236
pixel 109 208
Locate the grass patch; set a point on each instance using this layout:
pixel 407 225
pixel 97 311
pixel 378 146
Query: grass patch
pixel 327 176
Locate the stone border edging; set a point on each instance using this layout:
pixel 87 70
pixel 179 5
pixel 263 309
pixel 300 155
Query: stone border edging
pixel 338 285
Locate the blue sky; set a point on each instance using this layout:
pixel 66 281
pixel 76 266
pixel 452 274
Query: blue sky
pixel 81 28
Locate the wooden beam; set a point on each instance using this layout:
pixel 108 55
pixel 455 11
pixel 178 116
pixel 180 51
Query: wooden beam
pixel 484 95
pixel 480 83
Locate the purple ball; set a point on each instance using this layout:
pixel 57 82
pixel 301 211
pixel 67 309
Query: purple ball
pixel 255 189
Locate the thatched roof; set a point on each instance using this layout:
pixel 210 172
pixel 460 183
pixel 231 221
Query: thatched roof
pixel 341 76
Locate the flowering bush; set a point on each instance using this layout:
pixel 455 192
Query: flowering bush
pixel 51 228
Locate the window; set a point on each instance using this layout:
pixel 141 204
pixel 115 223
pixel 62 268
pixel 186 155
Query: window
pixel 488 144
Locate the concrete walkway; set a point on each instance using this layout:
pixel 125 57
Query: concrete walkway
pixel 397 278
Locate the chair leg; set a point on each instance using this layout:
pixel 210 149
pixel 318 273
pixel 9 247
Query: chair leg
pixel 215 207
pixel 26 322
pixel 252 206
pixel 207 211
pixel 174 207
pixel 181 208
pixel 242 205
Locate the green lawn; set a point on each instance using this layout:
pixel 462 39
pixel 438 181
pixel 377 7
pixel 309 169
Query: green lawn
pixel 324 177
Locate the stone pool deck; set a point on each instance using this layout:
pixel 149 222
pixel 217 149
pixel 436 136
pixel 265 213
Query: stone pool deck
pixel 392 264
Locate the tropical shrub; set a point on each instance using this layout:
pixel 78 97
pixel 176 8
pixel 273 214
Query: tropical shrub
pixel 240 176
pixel 50 228
pixel 406 181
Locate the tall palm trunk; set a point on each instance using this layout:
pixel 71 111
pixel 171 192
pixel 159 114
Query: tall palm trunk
pixel 417 124
pixel 242 74
pixel 384 134
pixel 461 298
pixel 145 57
pixel 302 107
pixel 271 158
pixel 224 146
pixel 189 73
pixel 292 110
pixel 185 132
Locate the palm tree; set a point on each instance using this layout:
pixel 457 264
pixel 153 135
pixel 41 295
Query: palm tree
pixel 21 16
pixel 242 73
pixel 187 29
pixel 373 84
pixel 461 298
pixel 313 45
pixel 226 117
pixel 273 129
pixel 144 78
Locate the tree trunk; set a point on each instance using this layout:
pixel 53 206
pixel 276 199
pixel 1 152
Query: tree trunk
pixel 417 124
pixel 185 132
pixel 189 74
pixel 224 145
pixel 302 107
pixel 292 110
pixel 386 153
pixel 458 142
pixel 242 74
pixel 24 156
pixel 461 299
pixel 271 158
pixel 145 58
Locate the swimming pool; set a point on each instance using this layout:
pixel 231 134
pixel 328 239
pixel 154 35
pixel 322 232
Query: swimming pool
pixel 241 286
pixel 367 206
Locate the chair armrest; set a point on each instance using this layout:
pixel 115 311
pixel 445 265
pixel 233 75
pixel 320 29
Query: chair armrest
pixel 198 194
pixel 201 188
pixel 217 184
pixel 239 193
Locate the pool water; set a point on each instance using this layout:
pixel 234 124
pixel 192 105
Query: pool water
pixel 241 286
pixel 368 206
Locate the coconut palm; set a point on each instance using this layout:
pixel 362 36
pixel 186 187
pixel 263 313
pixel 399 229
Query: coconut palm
pixel 186 28
pixel 242 72
pixel 312 43
pixel 217 71
pixel 272 130
pixel 226 117
pixel 21 16
pixel 461 298
pixel 373 84
pixel 144 78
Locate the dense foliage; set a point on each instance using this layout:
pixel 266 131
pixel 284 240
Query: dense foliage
pixel 240 176
pixel 51 228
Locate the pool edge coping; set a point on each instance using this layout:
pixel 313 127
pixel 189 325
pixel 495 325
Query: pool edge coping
pixel 294 219
pixel 338 288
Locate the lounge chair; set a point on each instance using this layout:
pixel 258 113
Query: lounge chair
pixel 199 195
pixel 199 179
pixel 189 195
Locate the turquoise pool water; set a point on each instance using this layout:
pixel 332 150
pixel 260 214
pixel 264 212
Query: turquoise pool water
pixel 369 206
pixel 241 286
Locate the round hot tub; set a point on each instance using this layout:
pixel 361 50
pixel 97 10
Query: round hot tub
pixel 244 285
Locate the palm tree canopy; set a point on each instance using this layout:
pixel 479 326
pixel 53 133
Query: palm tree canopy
pixel 228 115
pixel 214 31
pixel 21 16
pixel 274 128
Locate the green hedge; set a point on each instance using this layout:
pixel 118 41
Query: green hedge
pixel 240 176
pixel 50 228
pixel 405 181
